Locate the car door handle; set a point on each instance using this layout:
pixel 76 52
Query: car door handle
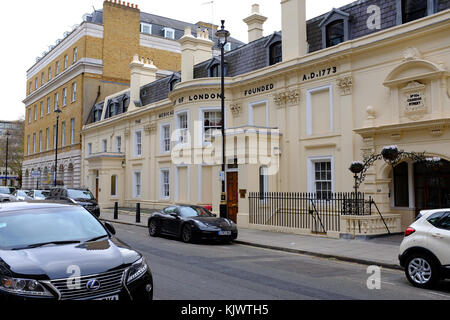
pixel 437 235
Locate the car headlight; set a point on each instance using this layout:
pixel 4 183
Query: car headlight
pixel 137 270
pixel 23 287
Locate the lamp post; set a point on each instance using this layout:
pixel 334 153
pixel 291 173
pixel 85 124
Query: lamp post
pixel 58 112
pixel 222 36
pixel 6 162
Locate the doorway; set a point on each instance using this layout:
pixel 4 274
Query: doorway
pixel 432 185
pixel 232 196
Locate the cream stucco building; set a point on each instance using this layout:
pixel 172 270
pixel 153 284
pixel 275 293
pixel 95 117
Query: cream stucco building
pixel 301 105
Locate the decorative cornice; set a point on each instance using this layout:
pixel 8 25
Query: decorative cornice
pixel 290 97
pixel 345 84
pixel 236 109
pixel 150 128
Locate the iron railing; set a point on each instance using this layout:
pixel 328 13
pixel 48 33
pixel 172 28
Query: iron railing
pixel 315 211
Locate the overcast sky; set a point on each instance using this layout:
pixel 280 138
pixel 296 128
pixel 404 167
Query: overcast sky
pixel 28 29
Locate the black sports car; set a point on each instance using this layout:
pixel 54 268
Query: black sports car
pixel 191 223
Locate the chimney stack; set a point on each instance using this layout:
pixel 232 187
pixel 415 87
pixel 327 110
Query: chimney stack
pixel 142 72
pixel 255 24
pixel 293 21
pixel 194 50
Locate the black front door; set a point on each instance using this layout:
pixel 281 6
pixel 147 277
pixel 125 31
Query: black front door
pixel 432 185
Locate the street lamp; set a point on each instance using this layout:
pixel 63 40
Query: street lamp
pixel 6 162
pixel 222 36
pixel 58 112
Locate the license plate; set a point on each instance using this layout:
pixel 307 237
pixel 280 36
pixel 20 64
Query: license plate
pixel 224 233
pixel 110 298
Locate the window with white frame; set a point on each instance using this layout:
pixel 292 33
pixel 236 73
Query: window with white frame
pixel 138 143
pixel 75 55
pixel 72 131
pixel 36 83
pixel 66 62
pixel 165 184
pixel 28 145
pixel 322 183
pixel 227 47
pixel 183 127
pixel 89 148
pixel 169 33
pixel 29 115
pixel 212 122
pixel 64 96
pixel 137 187
pixel 56 100
pixel 30 89
pixel 40 141
pixel 48 105
pixel 165 138
pixel 118 144
pixel 47 134
pixel 42 78
pixel 146 28
pixel 49 73
pixel 42 109
pixel 74 91
pixel 57 68
pixel 104 145
pixel 63 138
pixel 35 112
pixel 114 185
pixel 34 143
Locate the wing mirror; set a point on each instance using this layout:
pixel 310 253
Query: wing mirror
pixel 110 228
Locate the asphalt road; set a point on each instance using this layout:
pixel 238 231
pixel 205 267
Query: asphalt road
pixel 236 272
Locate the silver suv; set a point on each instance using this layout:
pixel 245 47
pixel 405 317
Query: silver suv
pixel 425 249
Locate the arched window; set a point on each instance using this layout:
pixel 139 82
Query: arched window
pixel 114 185
pixel 335 33
pixel 275 53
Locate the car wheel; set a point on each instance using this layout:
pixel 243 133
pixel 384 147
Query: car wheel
pixel 153 229
pixel 186 233
pixel 422 271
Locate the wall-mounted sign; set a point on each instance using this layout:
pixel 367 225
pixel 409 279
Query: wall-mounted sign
pixel 414 99
pixel 259 89
pixel 165 114
pixel 320 73
pixel 198 97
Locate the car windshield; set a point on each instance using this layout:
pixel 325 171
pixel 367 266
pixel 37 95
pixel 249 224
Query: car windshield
pixel 21 229
pixel 39 194
pixel 6 190
pixel 188 212
pixel 80 194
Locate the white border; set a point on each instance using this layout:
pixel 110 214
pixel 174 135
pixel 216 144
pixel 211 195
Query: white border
pixel 328 87
pixel 311 172
pixel 251 121
pixel 161 184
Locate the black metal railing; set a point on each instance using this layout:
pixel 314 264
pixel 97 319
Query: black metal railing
pixel 315 211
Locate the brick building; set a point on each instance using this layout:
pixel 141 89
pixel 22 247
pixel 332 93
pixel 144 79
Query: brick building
pixel 87 65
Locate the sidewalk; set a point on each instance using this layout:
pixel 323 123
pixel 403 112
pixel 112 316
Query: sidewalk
pixel 379 251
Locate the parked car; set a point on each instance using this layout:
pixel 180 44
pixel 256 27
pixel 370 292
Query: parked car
pixel 22 195
pixel 39 194
pixel 80 196
pixel 191 223
pixel 425 250
pixel 6 194
pixel 65 253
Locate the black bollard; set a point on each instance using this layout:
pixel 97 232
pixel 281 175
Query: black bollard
pixel 116 211
pixel 138 213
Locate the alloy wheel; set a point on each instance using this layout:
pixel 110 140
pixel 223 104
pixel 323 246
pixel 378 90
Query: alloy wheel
pixel 420 271
pixel 186 234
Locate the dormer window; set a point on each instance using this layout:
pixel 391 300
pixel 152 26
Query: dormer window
pixel 173 80
pixel 410 10
pixel 214 69
pixel 274 49
pixel 275 53
pixel 335 33
pixel 413 10
pixel 146 28
pixel 335 28
pixel 227 47
pixel 173 83
pixel 169 33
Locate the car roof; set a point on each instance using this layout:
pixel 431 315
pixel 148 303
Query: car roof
pixel 429 212
pixel 33 204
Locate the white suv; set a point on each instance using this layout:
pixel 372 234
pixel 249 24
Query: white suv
pixel 425 250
